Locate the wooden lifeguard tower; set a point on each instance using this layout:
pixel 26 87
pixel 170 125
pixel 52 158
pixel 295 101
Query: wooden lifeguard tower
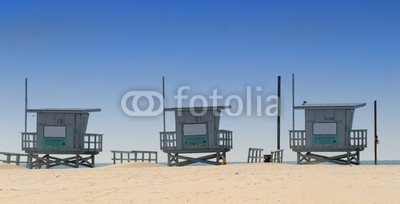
pixel 196 134
pixel 61 132
pixel 328 128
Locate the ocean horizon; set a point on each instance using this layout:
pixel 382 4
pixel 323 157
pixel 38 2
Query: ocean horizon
pixel 363 163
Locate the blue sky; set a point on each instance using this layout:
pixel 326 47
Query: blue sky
pixel 89 53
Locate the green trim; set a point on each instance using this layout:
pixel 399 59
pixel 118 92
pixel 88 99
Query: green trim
pixel 323 141
pixel 55 144
pixel 195 142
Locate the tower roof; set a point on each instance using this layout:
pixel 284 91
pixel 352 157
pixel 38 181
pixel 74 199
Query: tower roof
pixel 331 106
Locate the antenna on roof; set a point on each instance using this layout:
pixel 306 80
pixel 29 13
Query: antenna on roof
pixel 278 119
pixel 163 94
pixel 293 116
pixel 26 105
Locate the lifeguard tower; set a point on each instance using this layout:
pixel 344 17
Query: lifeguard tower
pixel 196 134
pixel 61 132
pixel 328 128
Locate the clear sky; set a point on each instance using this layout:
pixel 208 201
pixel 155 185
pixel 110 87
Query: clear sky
pixel 89 53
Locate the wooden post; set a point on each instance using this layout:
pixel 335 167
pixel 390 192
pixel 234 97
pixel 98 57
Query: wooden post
pixel 248 156
pixel 47 161
pixel 26 106
pixel 77 159
pixel 95 143
pixel 376 131
pixel 278 131
pixel 29 162
pixel 18 159
pixel 293 116
pixel 93 161
pixel 163 94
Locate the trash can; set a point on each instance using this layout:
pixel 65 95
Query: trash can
pixel 267 158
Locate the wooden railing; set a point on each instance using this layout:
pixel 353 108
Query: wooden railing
pixel 93 142
pixel 14 158
pixel 134 156
pixel 254 155
pixel 297 139
pixel 167 140
pixel 358 139
pixel 29 141
pixel 225 139
pixel 277 156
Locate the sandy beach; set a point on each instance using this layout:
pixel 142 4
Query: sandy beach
pixel 240 183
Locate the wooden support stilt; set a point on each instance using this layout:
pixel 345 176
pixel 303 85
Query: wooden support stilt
pixel 343 159
pixel 376 141
pixel 35 161
pixel 218 157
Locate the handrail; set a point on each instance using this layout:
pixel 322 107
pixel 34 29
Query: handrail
pixel 254 155
pixel 93 142
pixel 134 156
pixel 297 138
pixel 167 140
pixel 358 138
pixel 19 158
pixel 225 139
pixel 28 141
pixel 277 156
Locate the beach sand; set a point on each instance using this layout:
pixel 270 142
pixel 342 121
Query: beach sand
pixel 238 183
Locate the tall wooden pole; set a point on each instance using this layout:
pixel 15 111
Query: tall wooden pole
pixel 26 106
pixel 293 116
pixel 278 118
pixel 163 93
pixel 376 131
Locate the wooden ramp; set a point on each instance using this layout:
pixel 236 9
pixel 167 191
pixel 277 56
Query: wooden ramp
pixel 254 155
pixel 14 158
pixel 277 156
pixel 134 156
